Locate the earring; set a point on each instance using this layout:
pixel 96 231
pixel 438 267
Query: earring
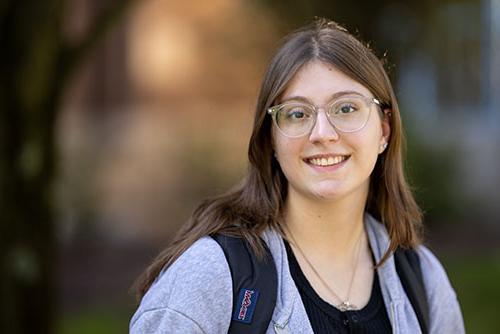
pixel 384 146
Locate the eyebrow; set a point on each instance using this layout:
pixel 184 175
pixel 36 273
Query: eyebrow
pixel 332 97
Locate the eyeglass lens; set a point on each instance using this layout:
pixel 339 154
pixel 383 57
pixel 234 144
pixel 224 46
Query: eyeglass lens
pixel 347 114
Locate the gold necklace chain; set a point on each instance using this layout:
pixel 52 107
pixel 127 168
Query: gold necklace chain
pixel 345 304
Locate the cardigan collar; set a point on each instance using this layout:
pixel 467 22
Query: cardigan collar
pixel 288 295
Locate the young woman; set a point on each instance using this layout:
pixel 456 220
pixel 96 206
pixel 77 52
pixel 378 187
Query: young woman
pixel 325 192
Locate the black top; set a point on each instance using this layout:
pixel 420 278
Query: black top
pixel 325 318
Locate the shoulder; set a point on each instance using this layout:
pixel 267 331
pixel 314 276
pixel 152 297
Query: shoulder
pixel 434 274
pixel 443 303
pixel 195 292
pixel 431 266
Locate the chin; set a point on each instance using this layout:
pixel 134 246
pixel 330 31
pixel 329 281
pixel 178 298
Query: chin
pixel 337 190
pixel 328 194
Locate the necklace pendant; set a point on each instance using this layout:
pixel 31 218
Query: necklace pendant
pixel 346 306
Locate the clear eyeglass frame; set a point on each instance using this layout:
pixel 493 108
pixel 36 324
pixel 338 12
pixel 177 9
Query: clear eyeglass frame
pixel 368 101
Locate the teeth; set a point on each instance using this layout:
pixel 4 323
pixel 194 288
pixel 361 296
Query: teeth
pixel 327 161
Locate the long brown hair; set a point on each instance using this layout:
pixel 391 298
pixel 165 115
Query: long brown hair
pixel 256 204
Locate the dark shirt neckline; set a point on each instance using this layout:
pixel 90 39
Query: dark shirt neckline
pixel 366 313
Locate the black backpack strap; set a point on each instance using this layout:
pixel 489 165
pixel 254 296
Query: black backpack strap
pixel 254 285
pixel 410 274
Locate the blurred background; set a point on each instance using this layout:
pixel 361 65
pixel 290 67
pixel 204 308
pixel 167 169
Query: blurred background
pixel 118 116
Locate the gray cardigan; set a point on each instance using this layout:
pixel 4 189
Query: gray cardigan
pixel 194 295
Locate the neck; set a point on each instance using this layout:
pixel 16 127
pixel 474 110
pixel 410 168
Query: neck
pixel 331 228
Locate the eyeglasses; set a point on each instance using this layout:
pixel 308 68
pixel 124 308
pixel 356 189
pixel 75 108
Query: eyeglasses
pixel 349 113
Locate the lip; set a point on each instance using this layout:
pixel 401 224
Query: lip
pixel 329 168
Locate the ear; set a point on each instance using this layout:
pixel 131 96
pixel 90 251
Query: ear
pixel 273 146
pixel 386 129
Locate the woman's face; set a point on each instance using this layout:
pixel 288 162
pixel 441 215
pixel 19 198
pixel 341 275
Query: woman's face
pixel 349 156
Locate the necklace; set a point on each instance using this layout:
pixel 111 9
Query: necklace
pixel 345 304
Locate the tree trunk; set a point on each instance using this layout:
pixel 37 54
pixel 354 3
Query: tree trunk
pixel 35 64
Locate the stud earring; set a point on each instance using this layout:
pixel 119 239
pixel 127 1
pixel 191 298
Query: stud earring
pixel 384 146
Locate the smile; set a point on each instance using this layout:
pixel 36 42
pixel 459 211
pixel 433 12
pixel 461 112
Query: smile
pixel 325 161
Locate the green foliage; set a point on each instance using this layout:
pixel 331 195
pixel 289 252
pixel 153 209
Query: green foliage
pixel 95 321
pixel 432 172
pixel 475 280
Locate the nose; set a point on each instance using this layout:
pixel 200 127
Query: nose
pixel 323 130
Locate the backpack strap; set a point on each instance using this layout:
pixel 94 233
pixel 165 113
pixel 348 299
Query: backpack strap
pixel 410 274
pixel 255 284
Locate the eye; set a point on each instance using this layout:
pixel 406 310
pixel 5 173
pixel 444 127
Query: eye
pixel 296 113
pixel 346 108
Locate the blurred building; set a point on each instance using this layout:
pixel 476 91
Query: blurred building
pixel 161 114
pixel 452 89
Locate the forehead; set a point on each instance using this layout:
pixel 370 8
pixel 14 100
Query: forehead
pixel 318 81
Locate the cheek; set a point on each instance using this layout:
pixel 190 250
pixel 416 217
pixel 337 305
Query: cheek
pixel 373 135
pixel 367 146
pixel 371 153
pixel 285 148
pixel 288 153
